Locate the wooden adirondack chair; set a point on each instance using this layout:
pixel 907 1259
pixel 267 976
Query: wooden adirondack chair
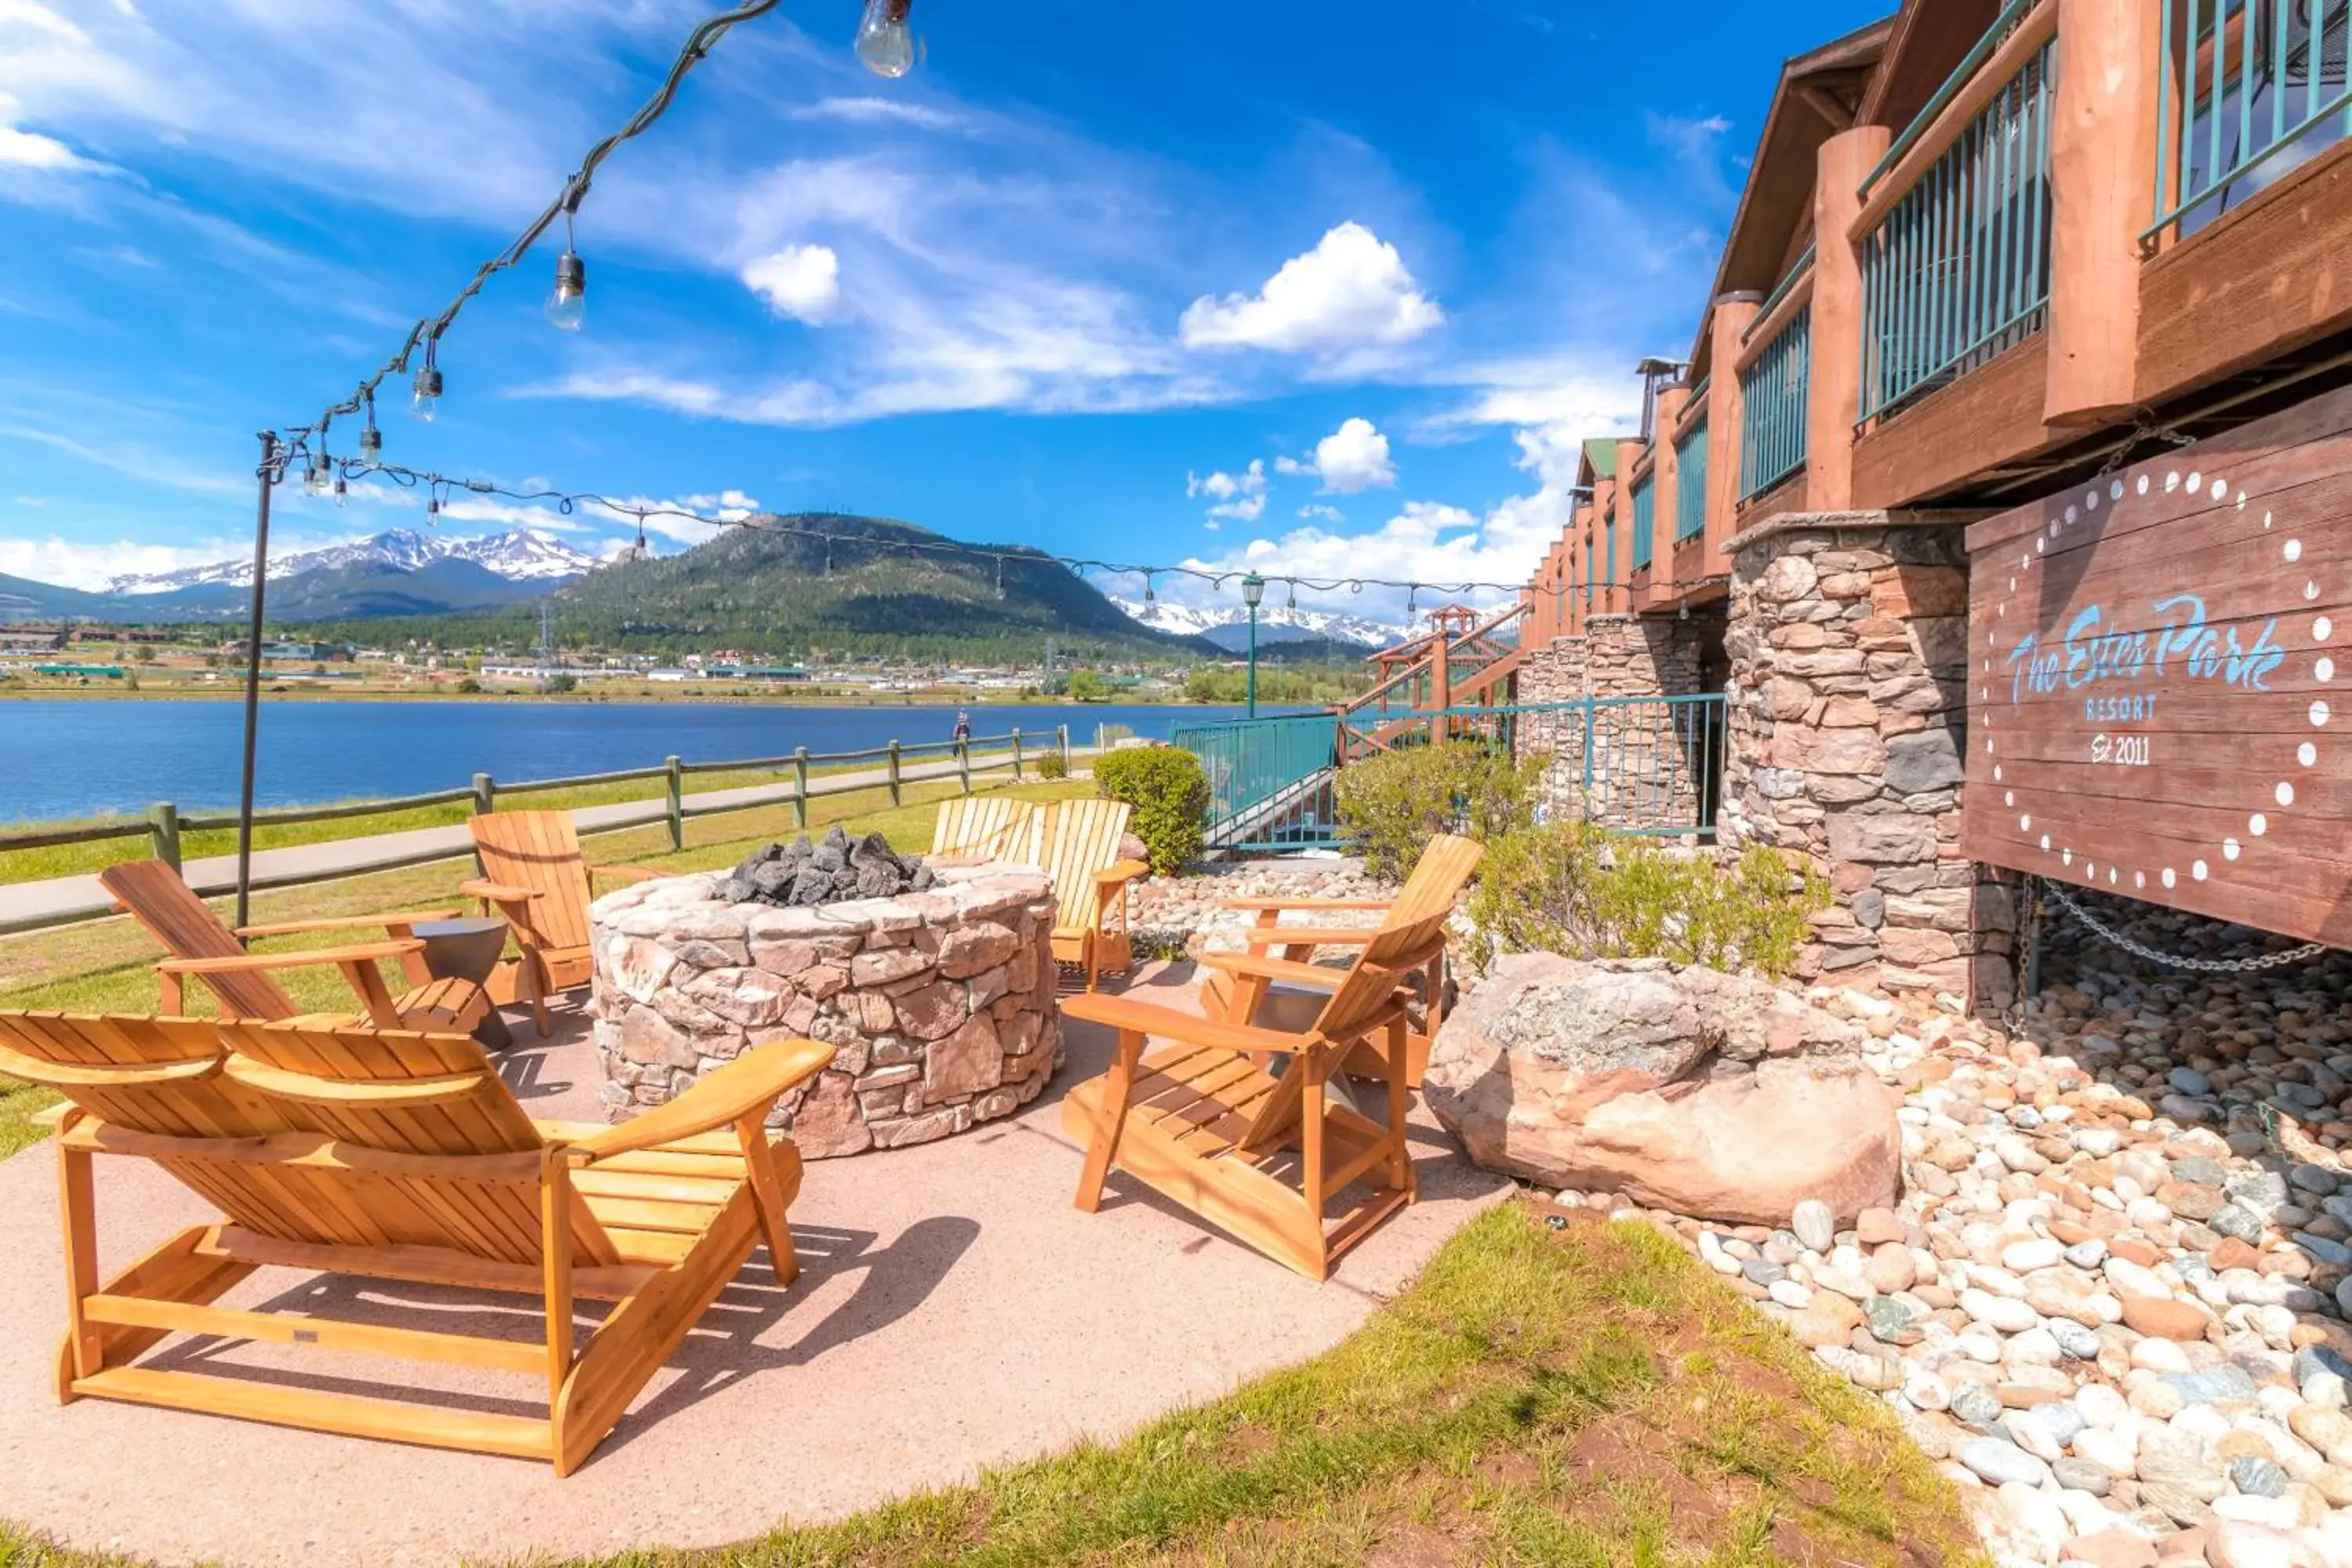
pixel 1241 998
pixel 534 874
pixel 1202 1122
pixel 1075 842
pixel 201 945
pixel 985 826
pixel 402 1156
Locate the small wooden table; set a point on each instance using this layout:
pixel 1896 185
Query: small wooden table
pixel 468 950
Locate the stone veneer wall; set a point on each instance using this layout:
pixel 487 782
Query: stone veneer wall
pixel 1642 773
pixel 1848 723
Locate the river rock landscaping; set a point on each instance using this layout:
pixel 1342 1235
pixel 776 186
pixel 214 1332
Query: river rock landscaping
pixel 2111 1299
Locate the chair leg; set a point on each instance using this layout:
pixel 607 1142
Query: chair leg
pixel 535 984
pixel 77 1205
pixel 1400 1157
pixel 1313 1065
pixel 1110 1120
pixel 760 1160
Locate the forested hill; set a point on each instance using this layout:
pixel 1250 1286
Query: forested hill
pixel 776 588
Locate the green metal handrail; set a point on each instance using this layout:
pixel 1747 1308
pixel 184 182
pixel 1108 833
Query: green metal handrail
pixel 1250 762
pixel 1772 406
pixel 1995 35
pixel 2207 136
pixel 1690 483
pixel 1799 271
pixel 1959 270
pixel 1645 518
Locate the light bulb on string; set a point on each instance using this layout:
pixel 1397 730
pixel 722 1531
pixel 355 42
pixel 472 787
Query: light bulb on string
pixel 884 46
pixel 315 477
pixel 426 401
pixel 567 303
pixel 1149 598
pixel 342 491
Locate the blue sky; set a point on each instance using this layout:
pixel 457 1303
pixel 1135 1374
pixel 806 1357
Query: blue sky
pixel 1322 287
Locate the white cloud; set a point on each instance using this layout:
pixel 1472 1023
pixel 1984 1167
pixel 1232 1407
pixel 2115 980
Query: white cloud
pixel 1354 458
pixel 1352 291
pixel 868 109
pixel 1241 496
pixel 91 564
pixel 803 281
pixel 1316 509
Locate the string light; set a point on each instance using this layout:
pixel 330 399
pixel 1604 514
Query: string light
pixel 883 43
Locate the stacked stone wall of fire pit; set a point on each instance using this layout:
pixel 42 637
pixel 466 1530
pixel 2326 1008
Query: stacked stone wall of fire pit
pixel 939 1003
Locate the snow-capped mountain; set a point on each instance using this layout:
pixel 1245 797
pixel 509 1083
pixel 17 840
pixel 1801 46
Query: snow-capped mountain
pixel 1274 622
pixel 520 556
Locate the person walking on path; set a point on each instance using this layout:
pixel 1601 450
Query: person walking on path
pixel 963 727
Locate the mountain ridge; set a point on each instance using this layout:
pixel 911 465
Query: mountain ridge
pixel 519 554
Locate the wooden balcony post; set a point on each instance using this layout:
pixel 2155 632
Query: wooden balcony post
pixel 1664 487
pixel 1726 421
pixel 2103 194
pixel 1833 400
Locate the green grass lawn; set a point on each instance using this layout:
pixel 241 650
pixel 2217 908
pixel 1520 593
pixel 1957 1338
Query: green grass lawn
pixel 73 860
pixel 1585 1396
pixel 104 966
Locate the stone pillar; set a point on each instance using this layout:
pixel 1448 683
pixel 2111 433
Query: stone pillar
pixel 1834 391
pixel 2102 145
pixel 1647 758
pixel 1555 673
pixel 1848 640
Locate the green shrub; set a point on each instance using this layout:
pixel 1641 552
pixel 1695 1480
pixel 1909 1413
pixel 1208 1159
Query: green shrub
pixel 1389 805
pixel 1572 888
pixel 1170 796
pixel 1052 766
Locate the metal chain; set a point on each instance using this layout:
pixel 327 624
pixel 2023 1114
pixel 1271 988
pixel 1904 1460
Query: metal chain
pixel 2144 429
pixel 2209 965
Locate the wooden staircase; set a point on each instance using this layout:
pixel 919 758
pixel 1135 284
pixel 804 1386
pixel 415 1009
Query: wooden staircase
pixel 1459 662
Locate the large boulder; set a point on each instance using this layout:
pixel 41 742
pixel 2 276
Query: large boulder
pixel 1685 1089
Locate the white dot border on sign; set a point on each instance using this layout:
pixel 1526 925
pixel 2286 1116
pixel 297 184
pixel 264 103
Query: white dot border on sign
pixel 2322 667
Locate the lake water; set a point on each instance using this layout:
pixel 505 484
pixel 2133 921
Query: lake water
pixel 70 758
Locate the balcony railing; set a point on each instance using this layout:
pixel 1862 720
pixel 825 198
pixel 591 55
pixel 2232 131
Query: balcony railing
pixel 2262 87
pixel 1959 268
pixel 1690 483
pixel 1772 394
pixel 1587 573
pixel 1645 518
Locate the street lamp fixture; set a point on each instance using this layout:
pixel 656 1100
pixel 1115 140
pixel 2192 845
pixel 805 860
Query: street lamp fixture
pixel 1253 590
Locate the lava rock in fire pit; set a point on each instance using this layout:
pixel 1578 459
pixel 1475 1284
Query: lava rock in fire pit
pixel 837 867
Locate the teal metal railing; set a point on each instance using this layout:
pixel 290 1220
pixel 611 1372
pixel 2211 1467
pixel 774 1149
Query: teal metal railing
pixel 1269 780
pixel 1799 271
pixel 1772 394
pixel 1959 270
pixel 1995 35
pixel 2262 87
pixel 1633 764
pixel 1690 483
pixel 1645 518
pixel 1587 573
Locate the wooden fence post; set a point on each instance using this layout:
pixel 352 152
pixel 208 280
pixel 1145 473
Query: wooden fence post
pixel 800 784
pixel 1017 753
pixel 486 789
pixel 963 763
pixel 894 773
pixel 164 833
pixel 676 772
pixel 1062 733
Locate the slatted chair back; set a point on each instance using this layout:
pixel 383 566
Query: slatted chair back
pixel 994 826
pixel 538 850
pixel 148 1075
pixel 1072 841
pixel 1409 938
pixel 161 900
pixel 403 1093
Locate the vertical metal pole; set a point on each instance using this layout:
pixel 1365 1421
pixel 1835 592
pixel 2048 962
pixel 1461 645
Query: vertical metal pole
pixel 1253 661
pixel 265 474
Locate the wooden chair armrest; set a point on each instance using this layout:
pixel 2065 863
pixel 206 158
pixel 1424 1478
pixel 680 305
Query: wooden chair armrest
pixel 497 892
pixel 1306 903
pixel 348 922
pixel 744 1087
pixel 629 873
pixel 233 963
pixel 1259 966
pixel 1124 871
pixel 1169 1023
pixel 1308 936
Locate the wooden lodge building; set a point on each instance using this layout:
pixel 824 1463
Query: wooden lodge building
pixel 2002 487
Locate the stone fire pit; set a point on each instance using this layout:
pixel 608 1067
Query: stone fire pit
pixel 941 1002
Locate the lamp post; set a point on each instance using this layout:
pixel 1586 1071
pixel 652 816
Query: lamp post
pixel 1253 590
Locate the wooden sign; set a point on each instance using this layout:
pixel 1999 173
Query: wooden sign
pixel 2159 686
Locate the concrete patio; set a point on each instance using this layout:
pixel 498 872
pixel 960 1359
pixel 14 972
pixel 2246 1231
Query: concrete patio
pixel 955 1312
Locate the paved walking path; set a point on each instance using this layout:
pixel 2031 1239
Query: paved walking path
pixel 57 900
pixel 955 1312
